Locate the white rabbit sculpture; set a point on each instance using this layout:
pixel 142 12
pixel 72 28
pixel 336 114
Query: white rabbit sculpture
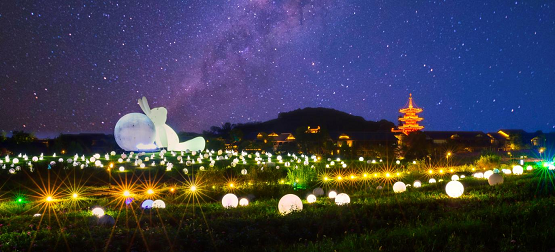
pixel 165 135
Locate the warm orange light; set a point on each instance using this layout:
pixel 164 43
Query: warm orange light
pixel 410 119
pixel 339 177
pixel 75 195
pixel 172 189
pixel 430 171
pixel 352 177
pixel 49 199
pixel 126 193
pixel 231 185
pixel 441 171
pixel 193 188
pixel 150 191
pixel 365 175
pixel 387 174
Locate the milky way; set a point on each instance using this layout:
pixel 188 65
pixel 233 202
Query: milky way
pixel 79 67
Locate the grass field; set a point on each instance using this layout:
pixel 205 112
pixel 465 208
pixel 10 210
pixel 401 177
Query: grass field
pixel 515 216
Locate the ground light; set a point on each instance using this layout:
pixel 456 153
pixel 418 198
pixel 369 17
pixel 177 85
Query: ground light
pixel 454 189
pixel 126 193
pixel 75 195
pixel 98 212
pixel 244 202
pixel 311 198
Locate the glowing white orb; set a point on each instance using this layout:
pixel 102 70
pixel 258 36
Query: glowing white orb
pixel 332 195
pixel 529 168
pixel 290 203
pixel 417 184
pixel 121 168
pixel 342 199
pixel 230 201
pixel 134 129
pixel 399 187
pixel 311 198
pixel 244 171
pixel 432 181
pixel 360 159
pixel 518 170
pixel 455 177
pixel 507 171
pixel 454 189
pixel 98 212
pixel 244 202
pixel 495 179
pixel 462 176
pixel 158 204
pixel 487 174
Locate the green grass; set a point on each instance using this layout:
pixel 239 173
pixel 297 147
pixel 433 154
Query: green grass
pixel 515 216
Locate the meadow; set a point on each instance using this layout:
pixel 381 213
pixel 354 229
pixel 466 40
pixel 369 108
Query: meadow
pixel 514 216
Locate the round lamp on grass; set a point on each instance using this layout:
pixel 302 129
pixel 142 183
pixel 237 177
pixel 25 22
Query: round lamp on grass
pixel 290 203
pixel 158 204
pixel 399 187
pixel 98 212
pixel 311 198
pixel 147 204
pixel 342 199
pixel 230 201
pixel 518 170
pixel 244 202
pixel 454 189
pixel 318 191
pixel 487 174
pixel 495 179
pixel 417 184
pixel 332 194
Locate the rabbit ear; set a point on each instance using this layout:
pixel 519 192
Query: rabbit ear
pixel 140 102
pixel 145 105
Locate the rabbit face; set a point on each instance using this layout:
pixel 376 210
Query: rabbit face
pixel 158 115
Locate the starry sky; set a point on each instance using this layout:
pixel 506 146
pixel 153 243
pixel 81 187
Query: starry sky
pixel 78 66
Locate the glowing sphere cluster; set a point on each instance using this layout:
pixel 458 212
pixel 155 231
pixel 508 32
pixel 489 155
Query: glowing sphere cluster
pixel 134 130
pixel 454 189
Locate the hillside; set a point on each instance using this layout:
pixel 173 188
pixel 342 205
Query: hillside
pixel 330 119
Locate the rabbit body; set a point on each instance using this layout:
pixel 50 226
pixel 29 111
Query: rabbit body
pixel 165 135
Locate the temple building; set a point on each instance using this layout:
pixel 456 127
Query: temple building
pixel 410 118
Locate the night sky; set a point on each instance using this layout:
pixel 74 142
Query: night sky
pixel 78 66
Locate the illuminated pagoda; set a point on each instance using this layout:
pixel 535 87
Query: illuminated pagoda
pixel 410 119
